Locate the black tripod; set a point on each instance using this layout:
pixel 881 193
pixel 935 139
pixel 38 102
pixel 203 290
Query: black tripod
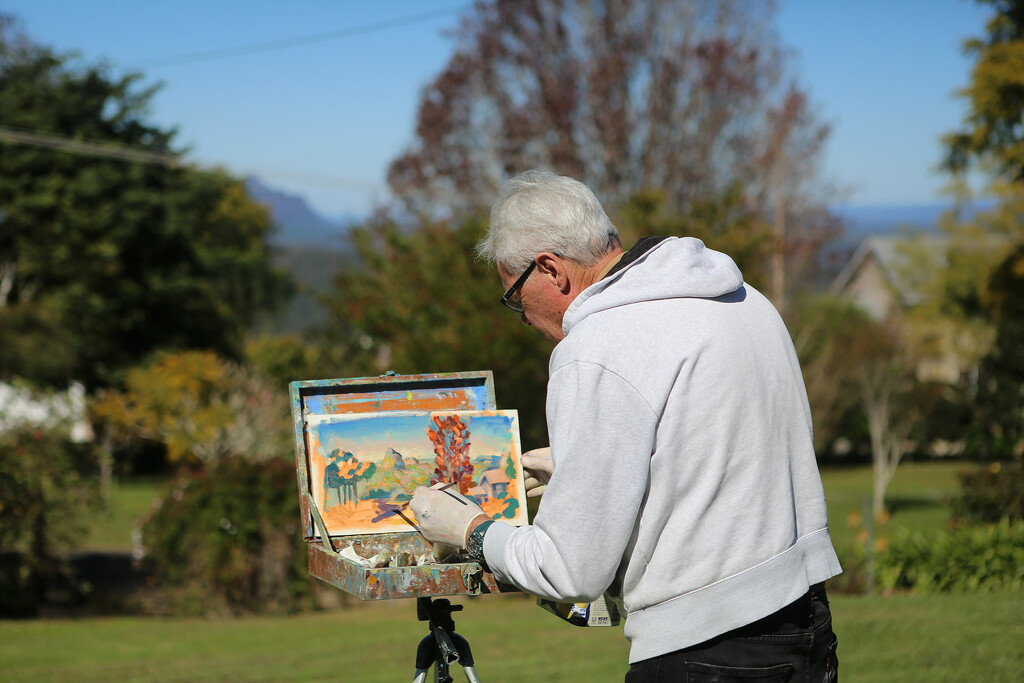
pixel 442 646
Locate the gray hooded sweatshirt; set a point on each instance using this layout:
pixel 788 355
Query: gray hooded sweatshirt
pixel 684 482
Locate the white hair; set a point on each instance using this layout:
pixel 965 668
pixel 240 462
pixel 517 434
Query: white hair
pixel 538 211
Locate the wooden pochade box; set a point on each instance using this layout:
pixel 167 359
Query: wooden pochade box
pixel 389 392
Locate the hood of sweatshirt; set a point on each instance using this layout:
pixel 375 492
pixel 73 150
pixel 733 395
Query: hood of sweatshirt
pixel 696 272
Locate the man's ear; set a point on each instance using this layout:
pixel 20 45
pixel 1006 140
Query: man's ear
pixel 556 268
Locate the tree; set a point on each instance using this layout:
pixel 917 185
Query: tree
pixel 201 407
pixel 859 370
pixel 998 424
pixel 892 399
pixel 349 470
pixel 985 246
pixel 416 301
pixel 450 437
pixel 823 329
pixel 45 485
pixel 788 164
pixel 724 223
pixel 223 540
pixel 110 246
pixel 686 97
pixel 991 139
pixel 993 128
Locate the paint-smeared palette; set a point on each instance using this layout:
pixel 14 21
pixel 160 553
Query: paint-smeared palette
pixel 364 467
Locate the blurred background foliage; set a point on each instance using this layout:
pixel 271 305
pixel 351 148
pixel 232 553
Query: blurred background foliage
pixel 224 540
pixel 152 281
pixel 47 483
pixel 200 407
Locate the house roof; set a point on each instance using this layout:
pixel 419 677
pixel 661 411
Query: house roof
pixel 890 253
pixel 494 476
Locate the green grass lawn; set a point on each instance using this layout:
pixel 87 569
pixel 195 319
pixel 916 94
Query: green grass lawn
pixel 883 638
pixel 130 500
pixel 973 637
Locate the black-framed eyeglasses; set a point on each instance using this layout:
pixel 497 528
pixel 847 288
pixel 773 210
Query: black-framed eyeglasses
pixel 512 297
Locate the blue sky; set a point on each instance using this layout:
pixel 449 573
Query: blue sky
pixel 324 119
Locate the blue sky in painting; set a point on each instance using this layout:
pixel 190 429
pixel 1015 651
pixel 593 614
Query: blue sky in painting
pixel 368 438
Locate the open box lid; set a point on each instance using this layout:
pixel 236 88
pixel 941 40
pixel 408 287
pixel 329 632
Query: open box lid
pixel 320 402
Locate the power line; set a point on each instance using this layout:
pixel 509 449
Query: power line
pixel 94 149
pixel 284 43
pixel 108 150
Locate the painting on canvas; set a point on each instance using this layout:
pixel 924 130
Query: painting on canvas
pixel 365 466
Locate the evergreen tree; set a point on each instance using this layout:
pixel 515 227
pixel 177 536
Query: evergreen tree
pixel 111 246
pixel 993 129
pixel 998 428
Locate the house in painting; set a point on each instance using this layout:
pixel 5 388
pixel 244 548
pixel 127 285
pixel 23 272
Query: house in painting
pixel 478 494
pixel 494 483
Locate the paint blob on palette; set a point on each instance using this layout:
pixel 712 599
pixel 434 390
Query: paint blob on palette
pixel 364 467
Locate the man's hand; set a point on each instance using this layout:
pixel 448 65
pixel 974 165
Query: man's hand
pixel 444 516
pixel 537 467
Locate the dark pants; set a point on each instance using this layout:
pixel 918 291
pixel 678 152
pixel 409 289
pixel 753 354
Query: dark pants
pixel 794 644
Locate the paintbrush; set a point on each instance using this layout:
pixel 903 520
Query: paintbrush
pixel 403 506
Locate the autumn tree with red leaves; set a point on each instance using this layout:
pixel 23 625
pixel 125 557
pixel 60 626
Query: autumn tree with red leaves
pixel 450 436
pixel 690 98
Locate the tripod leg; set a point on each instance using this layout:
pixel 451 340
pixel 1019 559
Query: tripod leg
pixel 424 659
pixel 429 653
pixel 465 657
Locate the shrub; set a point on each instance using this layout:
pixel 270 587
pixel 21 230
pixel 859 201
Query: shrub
pixel 967 558
pixel 200 406
pixel 991 493
pixel 227 539
pixel 45 485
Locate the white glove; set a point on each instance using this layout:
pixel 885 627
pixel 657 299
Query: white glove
pixel 443 516
pixel 538 467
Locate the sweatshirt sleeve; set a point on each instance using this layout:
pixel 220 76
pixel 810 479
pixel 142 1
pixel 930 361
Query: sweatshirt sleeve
pixel 602 434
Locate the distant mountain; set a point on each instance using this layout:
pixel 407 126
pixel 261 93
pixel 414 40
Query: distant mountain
pixel 393 460
pixel 485 462
pixel 298 224
pixel 309 246
pixel 313 269
pixel 862 221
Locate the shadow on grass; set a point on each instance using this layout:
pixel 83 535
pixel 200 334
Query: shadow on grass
pixel 897 504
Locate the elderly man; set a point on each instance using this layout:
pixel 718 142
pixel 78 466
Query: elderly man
pixel 681 477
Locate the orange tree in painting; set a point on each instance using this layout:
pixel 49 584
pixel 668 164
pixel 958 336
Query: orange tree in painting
pixel 450 437
pixel 350 471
